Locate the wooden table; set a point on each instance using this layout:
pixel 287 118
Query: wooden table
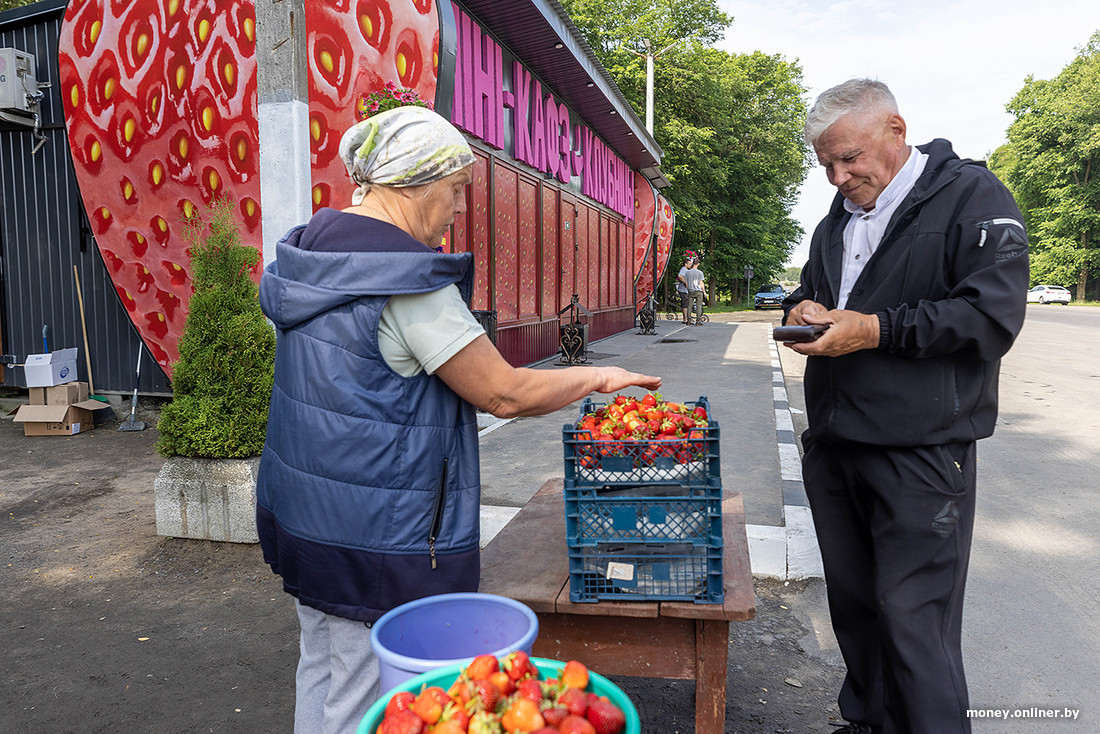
pixel 527 561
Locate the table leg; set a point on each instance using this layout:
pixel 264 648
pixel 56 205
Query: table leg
pixel 712 653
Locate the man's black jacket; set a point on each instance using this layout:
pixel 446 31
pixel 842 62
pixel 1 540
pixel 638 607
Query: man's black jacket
pixel 948 283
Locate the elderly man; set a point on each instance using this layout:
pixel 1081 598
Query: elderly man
pixel 919 272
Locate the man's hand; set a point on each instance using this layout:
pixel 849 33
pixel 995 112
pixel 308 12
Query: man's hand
pixel 849 331
pixel 796 316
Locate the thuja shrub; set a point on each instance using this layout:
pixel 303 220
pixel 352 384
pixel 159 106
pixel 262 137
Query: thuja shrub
pixel 221 384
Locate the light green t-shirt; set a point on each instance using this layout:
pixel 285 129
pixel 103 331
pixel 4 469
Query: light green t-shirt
pixel 421 331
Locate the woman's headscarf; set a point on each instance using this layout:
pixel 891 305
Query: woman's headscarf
pixel 405 146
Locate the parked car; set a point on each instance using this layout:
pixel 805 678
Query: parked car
pixel 769 295
pixel 1049 294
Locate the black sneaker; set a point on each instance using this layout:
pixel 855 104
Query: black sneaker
pixel 853 728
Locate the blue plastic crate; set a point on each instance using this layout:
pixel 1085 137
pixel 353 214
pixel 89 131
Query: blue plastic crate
pixel 646 513
pixel 691 462
pixel 646 572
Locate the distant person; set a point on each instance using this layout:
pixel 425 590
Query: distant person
pixel 368 494
pixel 919 272
pixel 697 292
pixel 682 288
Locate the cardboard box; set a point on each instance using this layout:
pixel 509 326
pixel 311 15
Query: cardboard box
pixel 67 394
pixel 57 420
pixel 55 368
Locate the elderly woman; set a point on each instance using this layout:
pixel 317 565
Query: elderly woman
pixel 368 493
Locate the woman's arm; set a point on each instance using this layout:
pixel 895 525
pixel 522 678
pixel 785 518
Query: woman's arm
pixel 481 376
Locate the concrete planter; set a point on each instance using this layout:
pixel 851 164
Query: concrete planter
pixel 207 499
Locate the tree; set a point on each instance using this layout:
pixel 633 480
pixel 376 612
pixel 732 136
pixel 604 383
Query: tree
pixel 1052 165
pixel 9 4
pixel 729 124
pixel 222 382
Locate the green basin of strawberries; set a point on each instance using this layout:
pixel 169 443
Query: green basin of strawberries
pixel 548 669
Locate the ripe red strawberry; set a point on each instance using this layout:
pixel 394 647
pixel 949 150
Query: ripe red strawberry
pixel 400 701
pixel 574 700
pixel 531 689
pixel 522 715
pixel 576 725
pixel 518 665
pixel 481 667
pixel 605 717
pixel 575 674
pixel 554 715
pixel 430 703
pixel 401 722
pixel 447 727
pixel 485 695
pixel 454 713
pixel 503 682
pixel 484 723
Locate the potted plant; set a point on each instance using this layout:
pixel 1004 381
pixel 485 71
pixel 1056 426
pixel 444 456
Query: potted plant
pixel 213 429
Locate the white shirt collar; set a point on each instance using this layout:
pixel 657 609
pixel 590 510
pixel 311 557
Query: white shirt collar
pixel 899 186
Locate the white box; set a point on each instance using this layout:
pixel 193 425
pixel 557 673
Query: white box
pixel 47 370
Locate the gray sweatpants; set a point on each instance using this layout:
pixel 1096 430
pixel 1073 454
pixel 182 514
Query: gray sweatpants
pixel 337 677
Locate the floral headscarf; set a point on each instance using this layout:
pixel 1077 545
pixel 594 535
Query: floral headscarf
pixel 405 146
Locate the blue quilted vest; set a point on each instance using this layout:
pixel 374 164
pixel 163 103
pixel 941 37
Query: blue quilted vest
pixel 368 494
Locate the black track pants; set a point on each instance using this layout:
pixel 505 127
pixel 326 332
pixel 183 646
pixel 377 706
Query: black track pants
pixel 894 526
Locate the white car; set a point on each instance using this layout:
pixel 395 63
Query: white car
pixel 1048 294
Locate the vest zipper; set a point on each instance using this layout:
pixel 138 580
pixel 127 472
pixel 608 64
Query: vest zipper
pixel 437 517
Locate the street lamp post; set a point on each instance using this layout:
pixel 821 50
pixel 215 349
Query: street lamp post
pixel 748 279
pixel 650 57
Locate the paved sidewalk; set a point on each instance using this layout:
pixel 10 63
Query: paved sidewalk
pixel 737 366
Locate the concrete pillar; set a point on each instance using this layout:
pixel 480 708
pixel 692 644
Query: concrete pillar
pixel 283 96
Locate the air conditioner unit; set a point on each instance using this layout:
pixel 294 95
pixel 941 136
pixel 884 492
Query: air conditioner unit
pixel 18 85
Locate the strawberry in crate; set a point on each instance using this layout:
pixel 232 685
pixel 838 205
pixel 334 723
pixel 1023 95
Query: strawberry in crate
pixel 630 432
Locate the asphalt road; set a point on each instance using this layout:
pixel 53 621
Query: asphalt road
pixel 1032 640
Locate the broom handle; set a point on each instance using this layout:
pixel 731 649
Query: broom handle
pixel 84 328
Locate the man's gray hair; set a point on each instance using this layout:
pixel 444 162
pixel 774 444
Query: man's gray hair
pixel 853 96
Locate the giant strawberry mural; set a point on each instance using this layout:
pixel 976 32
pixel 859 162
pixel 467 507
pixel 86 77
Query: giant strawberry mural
pixel 161 109
pixel 645 207
pixel 666 228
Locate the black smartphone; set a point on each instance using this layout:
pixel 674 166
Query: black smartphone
pixel 798 333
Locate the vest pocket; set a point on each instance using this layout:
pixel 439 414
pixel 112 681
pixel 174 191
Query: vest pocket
pixel 437 514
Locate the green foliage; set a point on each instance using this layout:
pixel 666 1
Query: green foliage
pixel 222 382
pixel 730 126
pixel 9 4
pixel 1052 165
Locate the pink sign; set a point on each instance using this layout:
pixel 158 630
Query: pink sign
pixel 544 135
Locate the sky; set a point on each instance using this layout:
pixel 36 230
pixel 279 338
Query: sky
pixel 952 65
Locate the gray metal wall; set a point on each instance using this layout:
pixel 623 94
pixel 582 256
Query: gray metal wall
pixel 43 234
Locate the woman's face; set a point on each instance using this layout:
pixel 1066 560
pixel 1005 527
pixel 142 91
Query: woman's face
pixel 441 202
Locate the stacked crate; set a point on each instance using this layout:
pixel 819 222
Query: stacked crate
pixel 643 519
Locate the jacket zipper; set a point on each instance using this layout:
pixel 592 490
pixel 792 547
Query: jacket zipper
pixel 437 517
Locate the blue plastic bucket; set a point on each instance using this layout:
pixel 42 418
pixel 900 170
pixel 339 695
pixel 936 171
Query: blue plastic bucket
pixel 448 629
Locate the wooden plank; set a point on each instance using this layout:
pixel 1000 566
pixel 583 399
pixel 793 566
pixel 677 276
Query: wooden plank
pixel 660 647
pixel 740 602
pixel 527 560
pixel 712 650
pixel 603 608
